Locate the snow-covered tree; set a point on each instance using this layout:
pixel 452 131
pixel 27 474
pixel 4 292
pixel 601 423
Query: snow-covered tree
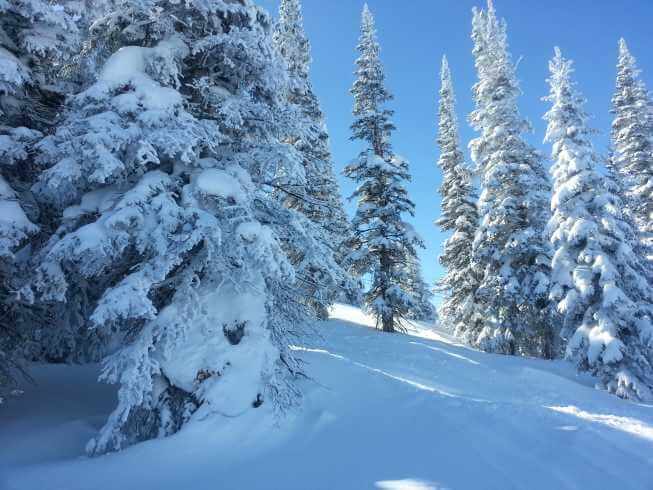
pixel 511 252
pixel 172 247
pixel 632 143
pixel 317 195
pixel 598 282
pixel 459 216
pixel 35 37
pixel 422 307
pixel 383 242
pixel 293 45
pixel 16 227
pixel 81 69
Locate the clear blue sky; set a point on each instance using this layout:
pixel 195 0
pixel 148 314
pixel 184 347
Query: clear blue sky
pixel 415 34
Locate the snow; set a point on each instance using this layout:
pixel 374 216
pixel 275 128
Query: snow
pixel 15 226
pixel 130 60
pixel 215 182
pixel 12 70
pixel 416 411
pixel 249 231
pixel 97 201
pixel 6 192
pixel 11 214
pixel 408 485
pixel 123 64
pixel 129 65
pixel 244 361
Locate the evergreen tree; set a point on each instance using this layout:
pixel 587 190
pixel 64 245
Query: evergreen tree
pixel 318 194
pixel 383 242
pixel 459 215
pixel 172 248
pixel 81 69
pixel 35 37
pixel 511 253
pixel 422 308
pixel 16 228
pixel 632 143
pixel 598 282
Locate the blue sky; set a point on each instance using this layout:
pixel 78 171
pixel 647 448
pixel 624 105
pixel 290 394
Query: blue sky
pixel 414 34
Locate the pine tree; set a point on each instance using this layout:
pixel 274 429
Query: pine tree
pixel 632 143
pixel 81 69
pixel 318 194
pixel 598 282
pixel 172 248
pixel 383 241
pixel 422 307
pixel 459 215
pixel 35 37
pixel 511 253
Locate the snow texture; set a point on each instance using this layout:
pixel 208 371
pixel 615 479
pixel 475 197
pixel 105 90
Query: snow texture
pixel 365 404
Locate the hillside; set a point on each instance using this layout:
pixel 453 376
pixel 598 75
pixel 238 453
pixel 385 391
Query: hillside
pixel 415 411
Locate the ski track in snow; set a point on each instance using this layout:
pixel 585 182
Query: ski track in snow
pixel 398 412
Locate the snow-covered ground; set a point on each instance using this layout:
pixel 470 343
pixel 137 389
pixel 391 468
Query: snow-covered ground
pixel 414 411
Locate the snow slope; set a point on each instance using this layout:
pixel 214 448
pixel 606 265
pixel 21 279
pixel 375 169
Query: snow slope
pixel 383 411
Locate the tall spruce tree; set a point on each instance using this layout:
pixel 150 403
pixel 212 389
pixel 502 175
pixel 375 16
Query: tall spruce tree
pixel 632 144
pixel 511 252
pixel 383 242
pixel 35 38
pixel 598 282
pixel 459 215
pixel 172 247
pixel 318 194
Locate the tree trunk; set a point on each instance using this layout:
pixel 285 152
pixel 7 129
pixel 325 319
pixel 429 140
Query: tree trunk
pixel 548 348
pixel 387 319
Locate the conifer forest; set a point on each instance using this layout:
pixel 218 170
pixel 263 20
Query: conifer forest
pixel 198 292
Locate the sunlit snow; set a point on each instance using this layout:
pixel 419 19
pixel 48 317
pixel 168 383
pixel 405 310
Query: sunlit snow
pixel 405 412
